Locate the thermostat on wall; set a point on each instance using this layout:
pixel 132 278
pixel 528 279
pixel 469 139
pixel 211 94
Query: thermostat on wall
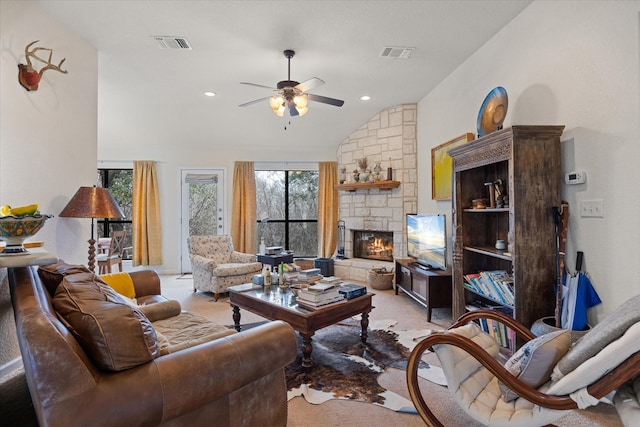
pixel 575 177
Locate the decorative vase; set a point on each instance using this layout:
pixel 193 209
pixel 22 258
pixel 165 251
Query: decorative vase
pixel 377 169
pixel 547 324
pixel 364 175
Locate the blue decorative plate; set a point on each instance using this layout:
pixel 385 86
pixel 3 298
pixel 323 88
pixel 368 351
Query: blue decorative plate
pixel 493 111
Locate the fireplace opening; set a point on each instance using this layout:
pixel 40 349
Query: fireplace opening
pixel 373 244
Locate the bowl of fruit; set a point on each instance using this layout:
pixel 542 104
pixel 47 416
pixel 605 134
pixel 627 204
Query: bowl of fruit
pixel 18 224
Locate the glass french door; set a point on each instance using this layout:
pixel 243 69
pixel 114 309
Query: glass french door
pixel 202 207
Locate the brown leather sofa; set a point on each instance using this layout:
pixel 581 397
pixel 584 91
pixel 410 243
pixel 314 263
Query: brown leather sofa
pixel 236 380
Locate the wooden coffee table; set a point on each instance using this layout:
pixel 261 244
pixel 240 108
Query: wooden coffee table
pixel 276 304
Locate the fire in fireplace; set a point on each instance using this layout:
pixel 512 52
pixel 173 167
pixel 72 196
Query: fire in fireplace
pixel 373 244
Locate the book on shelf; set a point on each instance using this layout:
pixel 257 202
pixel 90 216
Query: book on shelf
pixel 496 285
pixel 351 290
pixel 494 291
pixel 504 336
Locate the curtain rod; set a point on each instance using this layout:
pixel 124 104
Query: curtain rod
pixel 124 161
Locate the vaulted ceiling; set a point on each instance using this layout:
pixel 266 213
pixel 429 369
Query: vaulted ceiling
pixel 156 96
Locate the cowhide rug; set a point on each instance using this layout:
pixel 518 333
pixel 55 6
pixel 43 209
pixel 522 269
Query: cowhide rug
pixel 345 368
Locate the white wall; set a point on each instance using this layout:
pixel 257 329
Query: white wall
pixel 572 63
pixel 47 137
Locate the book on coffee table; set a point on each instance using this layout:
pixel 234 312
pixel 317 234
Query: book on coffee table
pixel 312 305
pixel 244 287
pixel 318 295
pixel 351 290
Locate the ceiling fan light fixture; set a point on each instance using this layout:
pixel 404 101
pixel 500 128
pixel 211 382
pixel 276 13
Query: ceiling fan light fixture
pixel 300 101
pixel 293 95
pixel 275 102
pixel 277 105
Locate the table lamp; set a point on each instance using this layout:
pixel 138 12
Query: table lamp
pixel 92 202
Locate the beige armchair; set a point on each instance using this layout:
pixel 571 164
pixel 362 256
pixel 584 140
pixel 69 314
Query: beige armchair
pixel 216 265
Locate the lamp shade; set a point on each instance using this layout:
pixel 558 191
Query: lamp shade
pixel 92 202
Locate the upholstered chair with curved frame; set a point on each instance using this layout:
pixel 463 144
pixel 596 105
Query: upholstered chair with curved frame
pixel 216 265
pixel 589 372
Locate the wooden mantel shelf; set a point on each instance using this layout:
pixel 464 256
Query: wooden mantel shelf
pixel 382 185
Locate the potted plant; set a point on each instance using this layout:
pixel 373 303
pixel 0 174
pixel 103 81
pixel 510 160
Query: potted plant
pixel 363 163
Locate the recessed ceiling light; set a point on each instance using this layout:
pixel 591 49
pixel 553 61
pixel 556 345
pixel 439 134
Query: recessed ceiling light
pixel 365 98
pixel 210 94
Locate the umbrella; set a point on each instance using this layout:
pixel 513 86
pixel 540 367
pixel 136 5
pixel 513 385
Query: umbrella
pixel 579 296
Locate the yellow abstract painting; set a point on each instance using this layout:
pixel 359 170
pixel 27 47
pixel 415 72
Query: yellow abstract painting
pixel 441 167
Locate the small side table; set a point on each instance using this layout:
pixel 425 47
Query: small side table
pixel 34 257
pixel 274 260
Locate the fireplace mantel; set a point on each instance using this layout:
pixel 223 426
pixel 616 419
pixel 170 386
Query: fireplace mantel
pixel 382 185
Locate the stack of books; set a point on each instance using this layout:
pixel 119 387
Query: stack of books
pixel 310 276
pixel 318 295
pixel 331 280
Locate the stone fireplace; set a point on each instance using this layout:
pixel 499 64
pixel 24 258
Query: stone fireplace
pixel 390 139
pixel 373 244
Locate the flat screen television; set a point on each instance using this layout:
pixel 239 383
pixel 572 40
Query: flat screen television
pixel 426 240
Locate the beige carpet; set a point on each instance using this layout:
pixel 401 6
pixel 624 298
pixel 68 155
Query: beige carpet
pixel 409 315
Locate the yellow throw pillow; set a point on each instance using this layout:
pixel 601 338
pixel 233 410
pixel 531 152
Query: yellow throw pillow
pixel 121 283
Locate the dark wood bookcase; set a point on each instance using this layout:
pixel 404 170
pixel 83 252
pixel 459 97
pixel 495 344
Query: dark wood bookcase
pixel 527 160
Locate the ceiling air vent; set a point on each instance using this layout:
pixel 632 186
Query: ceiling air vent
pixel 172 42
pixel 397 52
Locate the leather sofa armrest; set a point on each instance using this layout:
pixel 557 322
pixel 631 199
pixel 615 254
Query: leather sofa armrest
pixel 146 282
pixel 202 262
pixel 217 368
pixel 242 257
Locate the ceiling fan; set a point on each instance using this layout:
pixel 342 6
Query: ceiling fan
pixel 292 96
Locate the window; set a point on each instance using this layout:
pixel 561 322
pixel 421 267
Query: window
pixel 120 185
pixel 287 210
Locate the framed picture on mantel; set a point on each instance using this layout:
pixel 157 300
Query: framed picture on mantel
pixel 441 167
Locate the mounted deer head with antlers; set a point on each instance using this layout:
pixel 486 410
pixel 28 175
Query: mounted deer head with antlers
pixel 27 75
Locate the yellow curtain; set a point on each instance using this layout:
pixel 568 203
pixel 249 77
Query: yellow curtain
pixel 327 208
pixel 147 229
pixel 243 215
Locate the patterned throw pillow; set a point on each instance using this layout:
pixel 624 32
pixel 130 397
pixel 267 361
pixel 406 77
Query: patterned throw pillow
pixel 534 361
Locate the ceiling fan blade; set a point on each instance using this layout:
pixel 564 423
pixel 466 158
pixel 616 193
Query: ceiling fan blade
pixel 257 85
pixel 325 100
pixel 310 84
pixel 255 101
pixel 292 109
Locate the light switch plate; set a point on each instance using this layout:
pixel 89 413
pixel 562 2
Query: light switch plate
pixel 592 208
